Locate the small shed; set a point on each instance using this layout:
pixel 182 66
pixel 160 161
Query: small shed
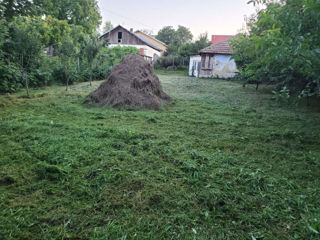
pixel 216 61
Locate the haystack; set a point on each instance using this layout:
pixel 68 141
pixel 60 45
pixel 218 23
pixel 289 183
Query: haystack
pixel 131 83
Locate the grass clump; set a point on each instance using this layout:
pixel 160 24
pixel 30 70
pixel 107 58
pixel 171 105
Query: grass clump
pixel 49 171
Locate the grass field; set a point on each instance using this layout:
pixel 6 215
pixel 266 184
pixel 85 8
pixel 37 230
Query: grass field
pixel 220 162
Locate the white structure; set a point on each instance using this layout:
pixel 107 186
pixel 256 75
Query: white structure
pixel 217 62
pixel 194 65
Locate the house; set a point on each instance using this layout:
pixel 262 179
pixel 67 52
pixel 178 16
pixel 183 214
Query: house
pixel 119 36
pixel 215 60
pixel 194 65
pixel 153 40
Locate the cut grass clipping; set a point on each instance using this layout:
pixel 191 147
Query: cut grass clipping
pixel 222 162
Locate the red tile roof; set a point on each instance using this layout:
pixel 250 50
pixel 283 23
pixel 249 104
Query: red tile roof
pixel 222 47
pixel 218 38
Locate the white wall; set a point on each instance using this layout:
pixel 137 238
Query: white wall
pixel 194 64
pixel 221 66
pixel 148 51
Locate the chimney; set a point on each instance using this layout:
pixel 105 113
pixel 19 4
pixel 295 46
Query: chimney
pixel 131 29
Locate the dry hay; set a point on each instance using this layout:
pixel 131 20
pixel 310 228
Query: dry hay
pixel 131 83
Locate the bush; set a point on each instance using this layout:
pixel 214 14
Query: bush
pixel 168 61
pixel 10 76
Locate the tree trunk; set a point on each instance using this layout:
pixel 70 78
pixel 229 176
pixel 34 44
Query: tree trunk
pixel 25 78
pixel 173 63
pixel 90 75
pixel 27 86
pixel 26 82
pixel 67 85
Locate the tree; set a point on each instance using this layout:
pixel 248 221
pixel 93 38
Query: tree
pixel 193 48
pixel 67 52
pixel 283 47
pixel 11 8
pixel 174 38
pixel 107 26
pixel 147 31
pixel 166 35
pixel 183 35
pixel 92 48
pixel 25 46
pixel 57 29
pixel 77 12
pixel 257 2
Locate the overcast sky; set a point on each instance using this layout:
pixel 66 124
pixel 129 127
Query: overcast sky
pixel 212 16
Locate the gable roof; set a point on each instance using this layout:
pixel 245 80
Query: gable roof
pixel 222 47
pixel 152 38
pixel 145 41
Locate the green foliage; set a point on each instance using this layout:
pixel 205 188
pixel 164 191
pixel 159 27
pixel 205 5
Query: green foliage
pixel 57 30
pixel 174 38
pixel 107 26
pixel 11 8
pixel 113 56
pixel 193 48
pixel 166 35
pixel 91 50
pixel 25 47
pixel 26 42
pixel 221 163
pixel 83 13
pixel 183 35
pixel 283 46
pixel 67 53
pixel 177 56
pixel 168 62
pixel 28 27
pixel 10 78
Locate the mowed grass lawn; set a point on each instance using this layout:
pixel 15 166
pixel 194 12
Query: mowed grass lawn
pixel 220 162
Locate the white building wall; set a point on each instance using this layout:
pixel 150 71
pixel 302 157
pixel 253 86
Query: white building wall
pixel 223 66
pixel 195 65
pixel 148 51
pixel 220 66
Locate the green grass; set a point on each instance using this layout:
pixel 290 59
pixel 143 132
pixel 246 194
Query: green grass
pixel 220 162
pixel 172 72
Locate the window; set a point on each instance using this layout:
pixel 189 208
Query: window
pixel 203 61
pixel 210 63
pixel 207 61
pixel 119 37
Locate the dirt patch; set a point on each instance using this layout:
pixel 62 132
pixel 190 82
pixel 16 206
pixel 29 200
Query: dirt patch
pixel 131 83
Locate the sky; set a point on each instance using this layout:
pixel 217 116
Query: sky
pixel 212 16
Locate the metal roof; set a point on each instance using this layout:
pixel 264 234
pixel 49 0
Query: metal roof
pixel 153 38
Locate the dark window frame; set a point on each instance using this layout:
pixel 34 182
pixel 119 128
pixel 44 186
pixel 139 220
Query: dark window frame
pixel 119 37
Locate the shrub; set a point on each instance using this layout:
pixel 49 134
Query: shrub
pixel 10 76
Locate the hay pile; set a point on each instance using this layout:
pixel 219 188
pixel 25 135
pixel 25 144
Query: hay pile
pixel 131 83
